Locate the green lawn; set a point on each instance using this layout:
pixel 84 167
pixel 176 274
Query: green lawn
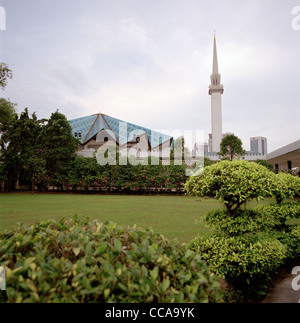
pixel 173 216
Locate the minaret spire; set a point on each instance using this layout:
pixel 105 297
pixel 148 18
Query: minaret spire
pixel 216 89
pixel 215 77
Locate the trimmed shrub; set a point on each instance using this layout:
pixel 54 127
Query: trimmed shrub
pixel 245 221
pixel 81 261
pixel 291 240
pixel 233 183
pixel 247 246
pixel 245 262
pixel 281 212
pixel 295 234
pixel 285 186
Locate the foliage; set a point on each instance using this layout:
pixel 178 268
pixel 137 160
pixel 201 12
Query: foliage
pixel 245 221
pixel 265 163
pixel 233 183
pixel 59 145
pixel 290 238
pixel 247 246
pixel 207 162
pixel 21 155
pixel 245 262
pixel 123 177
pixel 32 151
pixel 82 261
pixel 231 147
pixel 285 186
pixel 5 74
pixel 179 150
pixel 7 116
pixel 2 173
pixel 281 212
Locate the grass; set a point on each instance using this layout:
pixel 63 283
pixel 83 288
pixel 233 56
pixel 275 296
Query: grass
pixel 173 216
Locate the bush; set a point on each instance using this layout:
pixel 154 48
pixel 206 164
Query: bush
pixel 247 246
pixel 285 186
pixel 291 240
pixel 233 183
pixel 245 221
pixel 81 261
pixel 245 262
pixel 281 212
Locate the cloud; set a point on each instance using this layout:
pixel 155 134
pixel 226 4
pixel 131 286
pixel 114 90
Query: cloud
pixel 149 62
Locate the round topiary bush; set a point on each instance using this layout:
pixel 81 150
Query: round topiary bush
pixel 233 183
pixel 245 262
pixel 77 261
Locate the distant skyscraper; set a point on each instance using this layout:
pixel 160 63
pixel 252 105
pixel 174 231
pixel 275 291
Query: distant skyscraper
pixel 216 89
pixel 259 145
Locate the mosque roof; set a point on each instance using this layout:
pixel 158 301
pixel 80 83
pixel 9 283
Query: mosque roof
pixel 86 128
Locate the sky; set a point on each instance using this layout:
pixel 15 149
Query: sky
pixel 149 62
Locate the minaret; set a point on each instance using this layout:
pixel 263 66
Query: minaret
pixel 216 89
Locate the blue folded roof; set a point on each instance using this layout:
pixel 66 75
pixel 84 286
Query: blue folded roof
pixel 86 128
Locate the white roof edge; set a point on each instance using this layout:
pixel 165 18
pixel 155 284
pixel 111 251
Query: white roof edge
pixel 284 150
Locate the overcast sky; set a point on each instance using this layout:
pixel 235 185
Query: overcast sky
pixel 149 62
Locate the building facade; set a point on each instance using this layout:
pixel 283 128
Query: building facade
pixel 97 130
pixel 259 145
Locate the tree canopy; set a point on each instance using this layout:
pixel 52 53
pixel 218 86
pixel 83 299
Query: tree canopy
pixel 231 147
pixel 5 74
pixel 233 183
pixel 33 148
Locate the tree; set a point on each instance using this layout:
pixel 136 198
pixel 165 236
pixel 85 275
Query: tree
pixel 21 153
pixel 179 151
pixel 5 74
pixel 233 183
pixel 7 116
pixel 58 145
pixel 231 147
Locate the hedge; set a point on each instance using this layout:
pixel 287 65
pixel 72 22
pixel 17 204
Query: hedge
pixel 245 262
pixel 83 261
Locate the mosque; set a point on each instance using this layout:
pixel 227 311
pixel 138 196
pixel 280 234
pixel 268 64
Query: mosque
pixel 96 130
pixel 99 129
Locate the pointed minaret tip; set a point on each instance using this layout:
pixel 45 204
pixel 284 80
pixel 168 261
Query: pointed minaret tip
pixel 215 77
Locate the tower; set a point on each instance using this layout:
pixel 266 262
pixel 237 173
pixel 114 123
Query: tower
pixel 259 145
pixel 216 89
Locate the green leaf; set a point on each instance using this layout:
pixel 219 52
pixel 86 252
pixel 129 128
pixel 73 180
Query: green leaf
pixel 28 262
pixel 101 247
pixel 188 253
pixel 154 273
pixel 118 245
pixel 106 292
pixel 76 251
pixel 165 284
